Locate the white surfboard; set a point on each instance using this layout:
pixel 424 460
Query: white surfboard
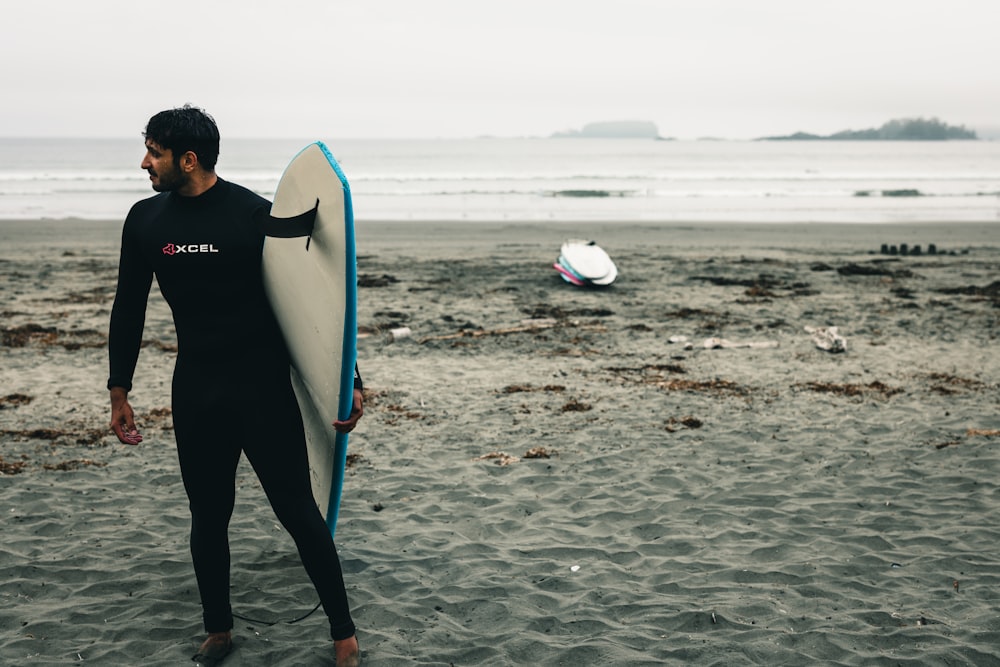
pixel 589 261
pixel 311 282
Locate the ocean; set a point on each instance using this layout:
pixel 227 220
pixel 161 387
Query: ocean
pixel 487 179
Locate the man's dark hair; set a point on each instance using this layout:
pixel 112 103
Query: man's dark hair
pixel 186 129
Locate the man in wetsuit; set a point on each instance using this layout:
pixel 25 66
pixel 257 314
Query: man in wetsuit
pixel 231 389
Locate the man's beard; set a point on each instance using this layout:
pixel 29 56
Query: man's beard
pixel 173 180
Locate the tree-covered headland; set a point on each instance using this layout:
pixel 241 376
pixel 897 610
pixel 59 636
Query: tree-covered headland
pixel 903 129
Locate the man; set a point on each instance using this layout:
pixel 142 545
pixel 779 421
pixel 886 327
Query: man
pixel 231 389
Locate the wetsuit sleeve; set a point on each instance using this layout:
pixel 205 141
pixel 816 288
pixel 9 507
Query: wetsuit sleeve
pixel 128 315
pixel 358 383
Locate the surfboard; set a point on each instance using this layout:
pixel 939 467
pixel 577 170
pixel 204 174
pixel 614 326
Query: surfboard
pixel 567 275
pixel 611 276
pixel 588 262
pixel 587 259
pixel 310 276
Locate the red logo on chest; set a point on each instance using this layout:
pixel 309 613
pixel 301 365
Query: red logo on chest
pixel 189 249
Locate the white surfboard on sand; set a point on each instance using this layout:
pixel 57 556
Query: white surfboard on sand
pixel 311 281
pixel 588 261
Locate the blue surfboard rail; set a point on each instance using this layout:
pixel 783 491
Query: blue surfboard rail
pixel 350 345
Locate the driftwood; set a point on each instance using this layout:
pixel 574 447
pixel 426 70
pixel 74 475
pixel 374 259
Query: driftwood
pixel 723 344
pixel 526 326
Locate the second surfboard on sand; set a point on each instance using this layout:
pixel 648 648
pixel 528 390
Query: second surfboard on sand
pixel 583 262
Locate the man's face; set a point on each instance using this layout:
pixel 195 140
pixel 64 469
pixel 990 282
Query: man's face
pixel 164 174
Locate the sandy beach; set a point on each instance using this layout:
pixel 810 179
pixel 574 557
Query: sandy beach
pixel 541 476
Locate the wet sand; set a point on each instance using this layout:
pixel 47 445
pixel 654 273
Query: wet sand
pixel 541 476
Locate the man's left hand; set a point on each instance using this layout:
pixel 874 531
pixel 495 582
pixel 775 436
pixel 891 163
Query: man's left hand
pixel 357 410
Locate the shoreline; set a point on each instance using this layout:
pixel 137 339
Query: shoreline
pixel 722 234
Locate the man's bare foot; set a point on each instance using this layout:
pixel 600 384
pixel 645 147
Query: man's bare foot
pixel 348 652
pixel 215 647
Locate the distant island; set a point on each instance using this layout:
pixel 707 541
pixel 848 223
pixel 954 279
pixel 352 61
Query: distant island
pixel 615 129
pixel 903 129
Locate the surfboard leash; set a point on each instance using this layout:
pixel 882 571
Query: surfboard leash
pixel 270 623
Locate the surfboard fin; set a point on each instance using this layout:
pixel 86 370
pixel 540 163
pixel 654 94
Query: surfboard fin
pixel 287 228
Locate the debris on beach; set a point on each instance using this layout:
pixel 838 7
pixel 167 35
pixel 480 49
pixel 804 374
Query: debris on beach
pixel 574 405
pixel 384 280
pixel 539 453
pixel 681 340
pixel 399 333
pixel 649 370
pixel 354 460
pixel 32 334
pixel 12 467
pixel 827 338
pixel 717 386
pixel 158 345
pixel 101 294
pixel 688 313
pixel 873 269
pixel 983 433
pixel 763 281
pixel 850 389
pixel 542 313
pixel 499 457
pixel 530 327
pixel 948 384
pixel 502 458
pixel 15 400
pixel 73 464
pixel 518 388
pixel 83 437
pixel 686 422
pixel 989 292
pixel 17 467
pixel 723 344
pixel 761 287
pixel 949 443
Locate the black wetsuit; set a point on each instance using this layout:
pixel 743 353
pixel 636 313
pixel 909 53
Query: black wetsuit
pixel 231 388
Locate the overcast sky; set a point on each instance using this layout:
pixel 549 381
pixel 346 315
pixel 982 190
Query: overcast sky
pixel 463 68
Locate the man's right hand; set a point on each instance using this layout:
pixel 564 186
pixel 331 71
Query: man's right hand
pixel 122 418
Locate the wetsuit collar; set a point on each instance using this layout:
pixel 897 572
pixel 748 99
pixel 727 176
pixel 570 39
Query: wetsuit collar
pixel 213 195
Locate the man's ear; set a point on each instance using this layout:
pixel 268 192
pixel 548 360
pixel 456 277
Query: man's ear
pixel 189 161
